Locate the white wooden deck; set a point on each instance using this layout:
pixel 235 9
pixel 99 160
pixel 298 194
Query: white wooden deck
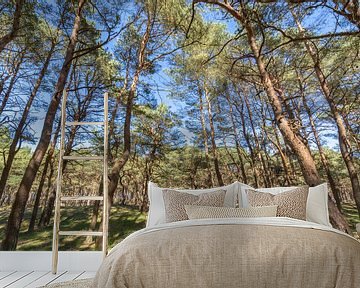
pixel 32 269
pixel 32 279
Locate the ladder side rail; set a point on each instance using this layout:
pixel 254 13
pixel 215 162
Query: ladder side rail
pixel 105 179
pixel 55 244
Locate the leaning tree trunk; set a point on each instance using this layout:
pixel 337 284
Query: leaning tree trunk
pixel 7 38
pixel 248 142
pixel 149 164
pixel 22 122
pixel 193 172
pixel 334 188
pixel 48 160
pixel 345 146
pixel 18 208
pixel 306 161
pixel 96 206
pixel 120 162
pixel 301 151
pixel 212 137
pixel 3 80
pixel 49 182
pixel 48 209
pixel 141 66
pixel 257 153
pixel 79 116
pixel 284 159
pixel 237 143
pixel 274 179
pixel 12 82
pixel 354 135
pixel 205 137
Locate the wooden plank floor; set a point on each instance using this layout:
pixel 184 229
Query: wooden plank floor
pixel 32 279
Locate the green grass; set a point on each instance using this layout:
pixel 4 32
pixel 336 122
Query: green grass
pixel 351 214
pixel 123 221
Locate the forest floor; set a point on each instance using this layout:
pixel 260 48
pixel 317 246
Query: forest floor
pixel 123 221
pixel 352 216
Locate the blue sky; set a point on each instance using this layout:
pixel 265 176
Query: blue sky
pixel 162 83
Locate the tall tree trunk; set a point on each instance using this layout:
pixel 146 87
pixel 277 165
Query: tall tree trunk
pixel 284 159
pixel 49 205
pixel 273 178
pixel 212 137
pixel 3 80
pixel 345 146
pixel 205 137
pixel 355 136
pixel 193 168
pixel 120 162
pixel 42 220
pixel 306 161
pixel 149 164
pixel 79 116
pixel 7 38
pixel 119 98
pixel 18 208
pixel 257 152
pixel 48 159
pixel 22 122
pixel 45 218
pixel 301 151
pixel 334 188
pixel 237 143
pixel 249 144
pixel 12 82
pixel 239 148
pixel 95 213
pixel 38 195
pixel 111 135
pixel 229 153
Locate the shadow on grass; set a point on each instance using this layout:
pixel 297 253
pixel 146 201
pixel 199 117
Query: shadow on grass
pixel 351 214
pixel 123 221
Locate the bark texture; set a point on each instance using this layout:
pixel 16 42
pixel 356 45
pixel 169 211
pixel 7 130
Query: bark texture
pixel 18 207
pixel 7 38
pixel 301 151
pixel 344 143
pixel 22 122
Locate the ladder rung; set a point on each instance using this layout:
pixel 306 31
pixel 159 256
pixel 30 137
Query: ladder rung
pixel 83 123
pixel 83 157
pixel 80 233
pixel 74 198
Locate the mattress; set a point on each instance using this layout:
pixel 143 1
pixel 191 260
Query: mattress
pixel 234 252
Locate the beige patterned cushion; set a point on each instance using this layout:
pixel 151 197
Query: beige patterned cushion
pixel 201 212
pixel 290 203
pixel 175 201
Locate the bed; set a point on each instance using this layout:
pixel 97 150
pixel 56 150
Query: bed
pixel 234 252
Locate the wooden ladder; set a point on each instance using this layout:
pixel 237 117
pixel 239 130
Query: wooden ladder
pixel 56 231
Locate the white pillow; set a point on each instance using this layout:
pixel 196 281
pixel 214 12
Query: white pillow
pixel 317 202
pixel 156 214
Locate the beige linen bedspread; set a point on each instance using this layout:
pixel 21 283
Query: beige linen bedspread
pixel 233 255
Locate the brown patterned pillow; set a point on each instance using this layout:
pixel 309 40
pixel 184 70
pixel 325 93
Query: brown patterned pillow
pixel 175 202
pixel 290 203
